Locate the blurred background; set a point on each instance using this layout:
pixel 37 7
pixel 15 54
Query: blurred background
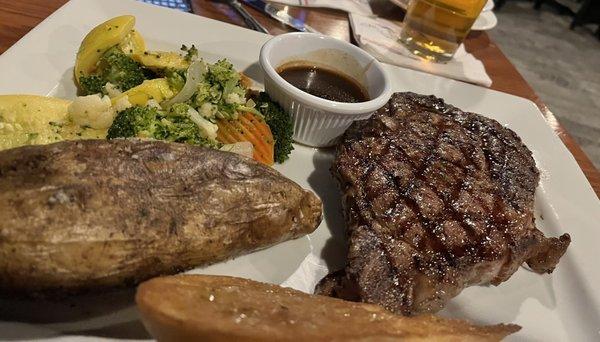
pixel 555 45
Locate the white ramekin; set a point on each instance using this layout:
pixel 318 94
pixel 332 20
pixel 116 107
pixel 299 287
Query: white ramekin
pixel 318 122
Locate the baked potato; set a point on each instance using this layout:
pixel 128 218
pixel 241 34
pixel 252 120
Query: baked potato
pixel 95 214
pixel 220 308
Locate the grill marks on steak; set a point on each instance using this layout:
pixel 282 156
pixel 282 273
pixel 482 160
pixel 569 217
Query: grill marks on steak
pixel 435 199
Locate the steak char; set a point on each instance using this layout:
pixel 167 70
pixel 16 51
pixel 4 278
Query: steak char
pixel 435 200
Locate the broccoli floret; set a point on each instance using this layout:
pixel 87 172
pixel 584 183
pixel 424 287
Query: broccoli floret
pixel 191 53
pixel 178 127
pixel 150 122
pixel 221 72
pixel 134 122
pixel 117 68
pixel 176 78
pixel 222 89
pixel 121 70
pixel 92 84
pixel 280 123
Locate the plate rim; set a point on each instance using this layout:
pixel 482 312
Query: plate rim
pixel 15 50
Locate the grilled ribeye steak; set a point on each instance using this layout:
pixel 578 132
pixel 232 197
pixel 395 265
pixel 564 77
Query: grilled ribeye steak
pixel 95 213
pixel 435 200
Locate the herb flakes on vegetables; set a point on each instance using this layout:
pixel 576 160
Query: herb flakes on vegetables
pixel 117 68
pixel 150 122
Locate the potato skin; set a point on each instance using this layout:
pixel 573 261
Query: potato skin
pixel 219 308
pixel 90 214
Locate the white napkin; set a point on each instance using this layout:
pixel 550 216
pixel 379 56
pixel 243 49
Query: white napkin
pixel 307 275
pixel 379 37
pixel 350 6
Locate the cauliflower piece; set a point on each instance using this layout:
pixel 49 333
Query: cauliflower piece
pixel 234 98
pixel 208 129
pixel 208 110
pixel 92 110
pixel 153 104
pixel 112 90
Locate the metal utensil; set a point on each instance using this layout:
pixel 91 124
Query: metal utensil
pixel 280 16
pixel 248 18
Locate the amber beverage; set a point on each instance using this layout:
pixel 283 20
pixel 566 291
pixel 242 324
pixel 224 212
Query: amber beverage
pixel 434 29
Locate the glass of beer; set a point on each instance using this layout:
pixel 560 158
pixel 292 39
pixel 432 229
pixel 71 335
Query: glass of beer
pixel 434 29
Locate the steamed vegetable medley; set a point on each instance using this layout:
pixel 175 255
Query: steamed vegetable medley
pixel 127 91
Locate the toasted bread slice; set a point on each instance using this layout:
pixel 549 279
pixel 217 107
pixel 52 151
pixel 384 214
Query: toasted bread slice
pixel 219 308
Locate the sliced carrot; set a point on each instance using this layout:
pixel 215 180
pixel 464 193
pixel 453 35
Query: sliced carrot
pixel 234 131
pixel 249 127
pixel 261 143
pixel 266 137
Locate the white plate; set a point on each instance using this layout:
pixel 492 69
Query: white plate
pixel 489 5
pixel 561 306
pixel 487 20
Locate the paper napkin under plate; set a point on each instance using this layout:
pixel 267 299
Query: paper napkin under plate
pixel 311 270
pixel 379 37
pixel 350 6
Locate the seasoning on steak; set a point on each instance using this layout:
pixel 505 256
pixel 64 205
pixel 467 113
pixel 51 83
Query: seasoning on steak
pixel 435 200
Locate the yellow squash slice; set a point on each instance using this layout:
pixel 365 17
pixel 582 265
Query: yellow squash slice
pixel 133 43
pixel 38 120
pixel 104 36
pixel 157 89
pixel 157 60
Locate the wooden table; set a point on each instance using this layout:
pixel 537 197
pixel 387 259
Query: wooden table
pixel 18 17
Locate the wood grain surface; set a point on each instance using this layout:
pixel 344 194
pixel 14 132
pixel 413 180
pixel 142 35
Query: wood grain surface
pixel 19 17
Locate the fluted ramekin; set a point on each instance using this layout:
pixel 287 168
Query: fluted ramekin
pixel 319 122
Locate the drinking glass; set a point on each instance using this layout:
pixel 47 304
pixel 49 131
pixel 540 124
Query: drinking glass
pixel 434 29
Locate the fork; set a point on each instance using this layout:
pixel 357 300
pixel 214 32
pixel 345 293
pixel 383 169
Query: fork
pixel 248 18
